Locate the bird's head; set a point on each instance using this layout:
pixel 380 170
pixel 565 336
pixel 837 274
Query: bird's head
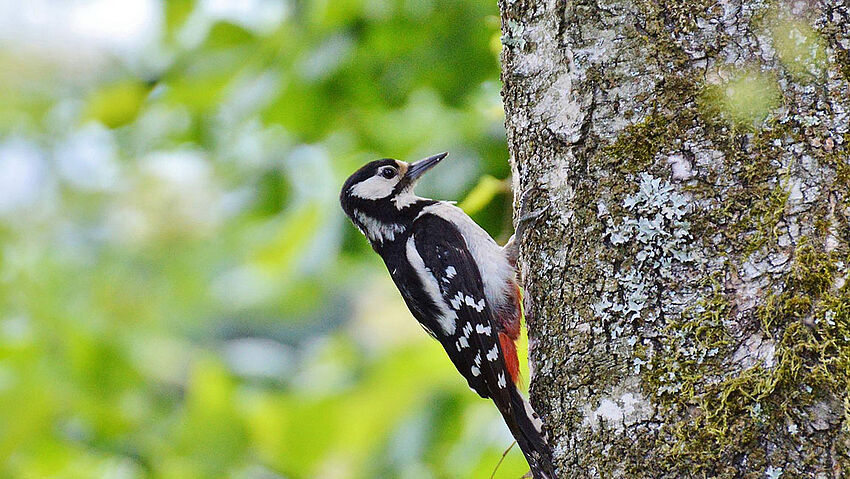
pixel 381 192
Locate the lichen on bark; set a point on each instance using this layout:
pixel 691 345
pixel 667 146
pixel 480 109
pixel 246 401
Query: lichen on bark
pixel 689 307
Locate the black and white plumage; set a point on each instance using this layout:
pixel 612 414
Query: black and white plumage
pixel 458 283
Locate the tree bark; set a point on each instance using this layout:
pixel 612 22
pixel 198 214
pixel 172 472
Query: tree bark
pixel 687 300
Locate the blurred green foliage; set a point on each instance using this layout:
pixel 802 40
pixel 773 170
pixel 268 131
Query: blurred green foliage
pixel 181 295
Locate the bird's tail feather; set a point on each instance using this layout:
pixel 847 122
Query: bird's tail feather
pixel 526 428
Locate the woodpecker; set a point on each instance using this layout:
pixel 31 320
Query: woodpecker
pixel 458 283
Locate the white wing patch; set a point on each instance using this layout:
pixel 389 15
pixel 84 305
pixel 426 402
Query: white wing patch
pixel 457 300
pixel 447 317
pixel 378 230
pixel 493 354
pixel 467 329
pixel 502 382
pixel 374 188
pixel 475 370
pixel 451 272
pixel 481 329
pixel 479 306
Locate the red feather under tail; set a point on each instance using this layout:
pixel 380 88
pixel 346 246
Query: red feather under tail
pixel 511 360
pixel 510 319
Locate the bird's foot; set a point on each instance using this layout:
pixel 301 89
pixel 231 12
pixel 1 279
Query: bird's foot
pixel 511 248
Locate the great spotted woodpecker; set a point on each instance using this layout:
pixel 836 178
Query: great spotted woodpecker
pixel 458 283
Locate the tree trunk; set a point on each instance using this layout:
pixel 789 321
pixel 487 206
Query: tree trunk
pixel 688 309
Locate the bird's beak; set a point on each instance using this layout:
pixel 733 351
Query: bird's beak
pixel 420 167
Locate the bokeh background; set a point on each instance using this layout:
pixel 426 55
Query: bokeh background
pixel 180 294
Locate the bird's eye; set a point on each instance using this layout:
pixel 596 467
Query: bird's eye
pixel 387 172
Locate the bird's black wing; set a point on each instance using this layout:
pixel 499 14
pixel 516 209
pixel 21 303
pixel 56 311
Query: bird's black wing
pixel 440 256
pixel 474 346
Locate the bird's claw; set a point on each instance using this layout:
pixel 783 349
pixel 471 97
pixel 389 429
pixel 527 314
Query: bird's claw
pixel 512 246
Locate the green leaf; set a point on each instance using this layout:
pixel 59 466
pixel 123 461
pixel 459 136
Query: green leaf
pixel 226 34
pixel 482 194
pixel 176 13
pixel 117 104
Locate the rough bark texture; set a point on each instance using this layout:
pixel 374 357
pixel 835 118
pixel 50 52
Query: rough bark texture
pixel 689 312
